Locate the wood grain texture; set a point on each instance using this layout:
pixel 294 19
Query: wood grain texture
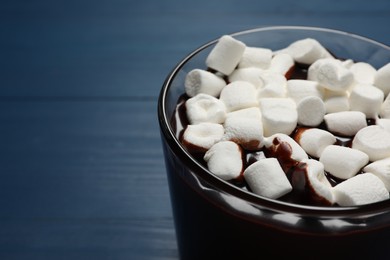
pixel 82 174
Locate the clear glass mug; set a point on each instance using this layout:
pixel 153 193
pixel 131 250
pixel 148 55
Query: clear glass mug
pixel 215 219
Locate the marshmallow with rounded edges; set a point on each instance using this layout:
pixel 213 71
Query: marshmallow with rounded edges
pixel 307 51
pixel 367 99
pixel 246 131
pixel 314 141
pixel 343 162
pixel 225 55
pixel 384 123
pixel 282 143
pixel 381 169
pixel 317 181
pixel 345 123
pixel 200 137
pixel 279 115
pixel 205 108
pixel 361 189
pixel 202 81
pixel 311 111
pixel 331 74
pixel 382 79
pixel 274 85
pixel 336 101
pixel 297 89
pixel 256 57
pixel 363 72
pixel 282 63
pixel 224 159
pixel 266 178
pixel 347 63
pixel 385 108
pixel 252 75
pixel 374 141
pixel 239 95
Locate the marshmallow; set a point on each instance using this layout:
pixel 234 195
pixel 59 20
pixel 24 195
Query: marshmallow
pixel 282 63
pixel 252 113
pixel 336 101
pixel 345 123
pixel 382 79
pixel 343 162
pixel 384 123
pixel 205 108
pixel 359 190
pixel 374 141
pixel 200 137
pixel 201 81
pixel 224 159
pixel 307 51
pixel 266 178
pixel 285 148
pixel 317 181
pixel 367 99
pixel 311 111
pixel 381 169
pixel 252 75
pixel 225 55
pixel 331 74
pixel 385 108
pixel 274 85
pixel 314 140
pixel 279 115
pixel 255 57
pixel 347 63
pixel 248 132
pixel 238 95
pixel 363 72
pixel 297 89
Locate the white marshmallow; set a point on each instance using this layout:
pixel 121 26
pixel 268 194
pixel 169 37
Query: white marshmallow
pixel 279 115
pixel 256 57
pixel 343 162
pixel 381 169
pixel 225 55
pixel 266 178
pixel 205 108
pixel 374 141
pixel 239 95
pixel 297 89
pixel 201 81
pixel 224 159
pixel 385 108
pixel 367 99
pixel 384 123
pixel 363 72
pixel 311 111
pixel 316 179
pixel 314 141
pixel 248 132
pixel 331 74
pixel 336 101
pixel 282 63
pixel 200 137
pixel 252 75
pixel 345 123
pixel 359 190
pixel 282 143
pixel 382 79
pixel 347 63
pixel 307 51
pixel 251 113
pixel 274 85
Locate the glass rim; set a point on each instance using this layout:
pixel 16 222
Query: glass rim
pixel 229 188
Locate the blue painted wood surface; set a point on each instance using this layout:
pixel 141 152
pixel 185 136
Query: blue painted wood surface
pixel 81 168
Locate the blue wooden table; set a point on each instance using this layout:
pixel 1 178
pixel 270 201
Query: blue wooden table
pixel 81 166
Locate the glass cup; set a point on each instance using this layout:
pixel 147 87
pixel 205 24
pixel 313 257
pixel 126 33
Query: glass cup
pixel 216 220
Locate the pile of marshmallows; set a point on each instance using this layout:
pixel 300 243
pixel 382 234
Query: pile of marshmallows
pixel 260 107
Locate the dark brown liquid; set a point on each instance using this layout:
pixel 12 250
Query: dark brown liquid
pixel 296 172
